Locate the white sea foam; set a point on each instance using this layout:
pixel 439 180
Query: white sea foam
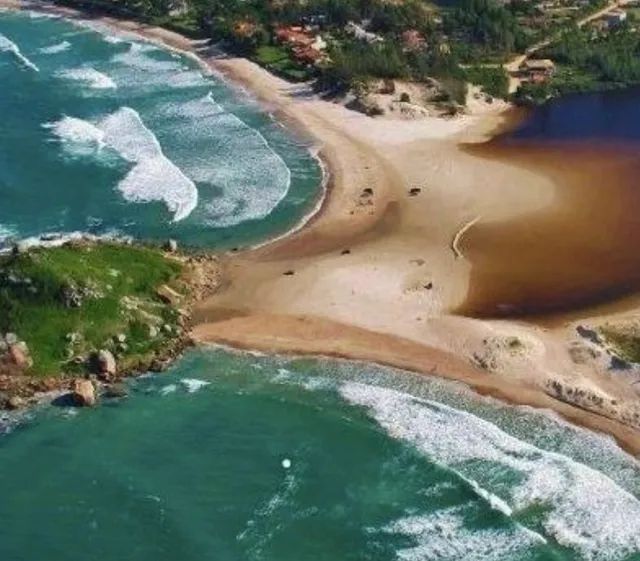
pixel 154 177
pixel 168 389
pixel 233 157
pixel 80 136
pixel 442 536
pixel 88 76
pixel 7 45
pixel 41 15
pixel 55 49
pixel 588 511
pixel 6 233
pixel 193 385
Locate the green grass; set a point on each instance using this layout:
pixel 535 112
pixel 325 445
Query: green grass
pixel 625 341
pixel 279 61
pixel 111 274
pixel 493 81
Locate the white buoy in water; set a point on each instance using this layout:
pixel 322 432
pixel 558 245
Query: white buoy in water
pixel 286 463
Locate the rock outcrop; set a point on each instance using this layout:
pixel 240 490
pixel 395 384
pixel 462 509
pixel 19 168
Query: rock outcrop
pixel 84 393
pixel 105 364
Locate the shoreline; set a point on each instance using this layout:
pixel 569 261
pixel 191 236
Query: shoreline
pixel 358 264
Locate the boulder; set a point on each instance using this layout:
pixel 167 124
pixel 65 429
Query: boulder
pixel 168 295
pixel 115 391
pixel 84 394
pixel 71 296
pixel 171 246
pixel 11 338
pixel 19 355
pixel 106 363
pixel 15 402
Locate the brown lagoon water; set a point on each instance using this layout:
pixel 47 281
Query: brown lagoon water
pixel 580 252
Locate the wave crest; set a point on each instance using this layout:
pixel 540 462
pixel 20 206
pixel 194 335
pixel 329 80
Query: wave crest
pixel 252 178
pixel 88 76
pixel 588 511
pixel 7 45
pixel 154 177
pixel 55 49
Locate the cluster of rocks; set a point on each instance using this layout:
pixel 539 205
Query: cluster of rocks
pixel 103 379
pixel 104 369
pixel 15 356
pixel 73 295
pixel 204 277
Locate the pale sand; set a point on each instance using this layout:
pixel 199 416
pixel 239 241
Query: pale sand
pixel 388 299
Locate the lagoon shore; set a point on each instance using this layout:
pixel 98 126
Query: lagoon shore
pixel 377 272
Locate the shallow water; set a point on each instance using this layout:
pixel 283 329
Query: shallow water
pixel 234 456
pixel 106 134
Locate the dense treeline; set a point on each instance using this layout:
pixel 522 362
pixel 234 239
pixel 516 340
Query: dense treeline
pixel 248 28
pixel 611 60
pixel 485 27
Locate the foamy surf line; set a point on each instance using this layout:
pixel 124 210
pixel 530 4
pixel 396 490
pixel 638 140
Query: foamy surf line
pixel 257 202
pixel 7 45
pixel 588 512
pixel 153 177
pixel 56 48
pixel 58 239
pixel 325 171
pixel 88 76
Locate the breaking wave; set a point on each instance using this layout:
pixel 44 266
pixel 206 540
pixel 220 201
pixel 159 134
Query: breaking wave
pixel 234 158
pixel 153 178
pixel 6 45
pixel 581 508
pixel 88 76
pixel 138 68
pixel 442 536
pixel 6 233
pixel 193 385
pixel 80 136
pixel 55 49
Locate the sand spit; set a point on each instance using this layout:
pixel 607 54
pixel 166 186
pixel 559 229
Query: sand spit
pixel 372 275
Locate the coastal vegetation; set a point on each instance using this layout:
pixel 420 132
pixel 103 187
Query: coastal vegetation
pixel 587 62
pixel 67 303
pixel 341 44
pixel 624 340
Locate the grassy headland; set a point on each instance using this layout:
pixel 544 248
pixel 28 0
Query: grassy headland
pixel 64 305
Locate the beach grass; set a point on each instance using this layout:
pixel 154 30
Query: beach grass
pixel 66 302
pixel 624 341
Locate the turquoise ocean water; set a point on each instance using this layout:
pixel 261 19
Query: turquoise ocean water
pixel 234 457
pixel 105 134
pixel 241 457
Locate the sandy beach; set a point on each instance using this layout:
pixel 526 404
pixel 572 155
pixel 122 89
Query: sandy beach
pixel 378 272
